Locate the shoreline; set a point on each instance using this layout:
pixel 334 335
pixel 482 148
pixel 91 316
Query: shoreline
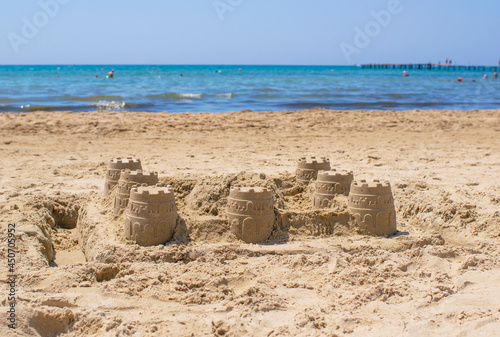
pixel 108 106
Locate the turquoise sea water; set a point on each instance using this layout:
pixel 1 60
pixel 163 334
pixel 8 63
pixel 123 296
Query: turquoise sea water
pixel 225 88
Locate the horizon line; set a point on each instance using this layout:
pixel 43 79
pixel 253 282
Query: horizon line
pixel 235 64
pixel 176 64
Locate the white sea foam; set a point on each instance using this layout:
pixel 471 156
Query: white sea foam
pixel 190 95
pixel 228 95
pixel 109 106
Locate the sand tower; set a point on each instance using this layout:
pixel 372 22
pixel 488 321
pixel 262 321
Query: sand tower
pixel 251 213
pixel 329 184
pixel 115 166
pixel 372 207
pixel 128 179
pixel 151 215
pixel 307 168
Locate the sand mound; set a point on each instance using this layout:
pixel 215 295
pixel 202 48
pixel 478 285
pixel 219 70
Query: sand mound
pixel 209 195
pixel 50 321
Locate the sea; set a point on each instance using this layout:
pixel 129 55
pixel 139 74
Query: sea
pixel 224 88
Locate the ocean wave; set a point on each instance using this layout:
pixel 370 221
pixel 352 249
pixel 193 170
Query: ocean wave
pixel 320 95
pixel 99 106
pixel 267 89
pixel 228 95
pixel 189 95
pixel 266 96
pixel 174 95
pixel 29 108
pixel 396 95
pixel 364 105
pixel 138 105
pixel 109 106
pixel 95 98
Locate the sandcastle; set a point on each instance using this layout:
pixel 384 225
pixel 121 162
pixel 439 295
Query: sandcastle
pixel 308 168
pixel 115 166
pixel 372 207
pixel 151 215
pixel 128 179
pixel 251 213
pixel 329 184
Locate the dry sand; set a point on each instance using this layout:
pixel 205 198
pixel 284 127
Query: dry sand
pixel 440 275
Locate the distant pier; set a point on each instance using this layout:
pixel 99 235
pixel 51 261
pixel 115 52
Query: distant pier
pixel 428 66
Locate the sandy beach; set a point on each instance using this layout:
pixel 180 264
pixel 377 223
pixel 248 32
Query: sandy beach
pixel 78 276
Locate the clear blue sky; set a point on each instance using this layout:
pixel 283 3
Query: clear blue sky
pixel 251 32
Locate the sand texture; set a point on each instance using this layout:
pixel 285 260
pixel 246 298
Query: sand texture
pixel 315 276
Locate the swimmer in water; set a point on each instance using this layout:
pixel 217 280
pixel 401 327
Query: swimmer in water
pixel 495 75
pixel 485 77
pixel 405 73
pixel 111 74
pixel 182 75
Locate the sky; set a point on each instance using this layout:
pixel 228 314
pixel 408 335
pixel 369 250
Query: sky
pixel 317 32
